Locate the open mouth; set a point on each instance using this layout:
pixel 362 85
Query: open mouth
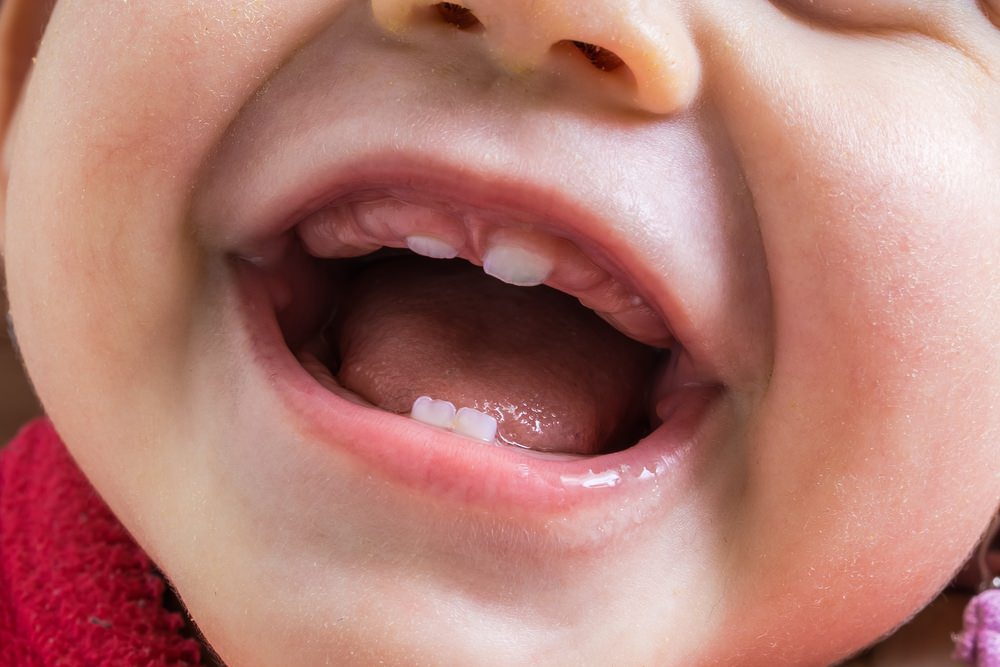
pixel 451 334
pixel 452 347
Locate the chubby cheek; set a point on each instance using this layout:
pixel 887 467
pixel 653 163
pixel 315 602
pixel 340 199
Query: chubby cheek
pixel 123 105
pixel 881 252
pixel 872 459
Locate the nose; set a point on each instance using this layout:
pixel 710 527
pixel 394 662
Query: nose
pixel 644 42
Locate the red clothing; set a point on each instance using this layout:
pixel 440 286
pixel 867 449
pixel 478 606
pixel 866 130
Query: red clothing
pixel 75 589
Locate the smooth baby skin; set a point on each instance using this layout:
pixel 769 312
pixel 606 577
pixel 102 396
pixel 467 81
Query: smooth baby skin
pixel 814 183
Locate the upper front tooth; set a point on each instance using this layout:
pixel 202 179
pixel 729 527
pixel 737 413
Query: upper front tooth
pixel 428 246
pixel 476 424
pixel 517 266
pixel 436 413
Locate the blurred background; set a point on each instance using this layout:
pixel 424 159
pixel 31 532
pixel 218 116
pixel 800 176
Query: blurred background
pixel 17 402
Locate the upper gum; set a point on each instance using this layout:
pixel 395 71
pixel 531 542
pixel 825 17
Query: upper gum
pixel 358 227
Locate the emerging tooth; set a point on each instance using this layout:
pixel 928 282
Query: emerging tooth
pixel 428 246
pixel 476 424
pixel 517 266
pixel 436 413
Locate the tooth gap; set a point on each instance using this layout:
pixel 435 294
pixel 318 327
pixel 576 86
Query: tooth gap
pixel 457 15
pixel 600 57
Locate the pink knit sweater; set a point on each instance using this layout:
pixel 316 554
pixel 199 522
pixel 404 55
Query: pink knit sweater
pixel 75 589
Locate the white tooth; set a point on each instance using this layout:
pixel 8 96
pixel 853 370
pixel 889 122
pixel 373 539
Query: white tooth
pixel 436 413
pixel 517 266
pixel 476 424
pixel 428 246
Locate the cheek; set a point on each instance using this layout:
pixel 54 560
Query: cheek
pixel 875 184
pixel 882 252
pixel 875 181
pixel 882 270
pixel 122 109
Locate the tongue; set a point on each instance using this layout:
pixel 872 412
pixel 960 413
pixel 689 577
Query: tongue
pixel 555 376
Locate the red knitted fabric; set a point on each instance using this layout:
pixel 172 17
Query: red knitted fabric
pixel 75 589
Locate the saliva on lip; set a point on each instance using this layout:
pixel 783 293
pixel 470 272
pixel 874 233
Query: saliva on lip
pixel 615 476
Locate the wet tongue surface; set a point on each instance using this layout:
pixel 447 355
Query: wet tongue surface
pixel 553 374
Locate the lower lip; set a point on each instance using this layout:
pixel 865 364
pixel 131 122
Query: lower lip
pixel 456 469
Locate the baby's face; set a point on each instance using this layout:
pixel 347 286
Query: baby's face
pixel 790 205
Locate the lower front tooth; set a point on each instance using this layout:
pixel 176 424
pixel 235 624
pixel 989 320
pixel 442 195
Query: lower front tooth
pixel 476 424
pixel 436 413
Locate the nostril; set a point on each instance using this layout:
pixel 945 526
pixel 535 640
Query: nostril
pixel 457 15
pixel 599 57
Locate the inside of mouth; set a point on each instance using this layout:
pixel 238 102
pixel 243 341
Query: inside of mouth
pixel 445 343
